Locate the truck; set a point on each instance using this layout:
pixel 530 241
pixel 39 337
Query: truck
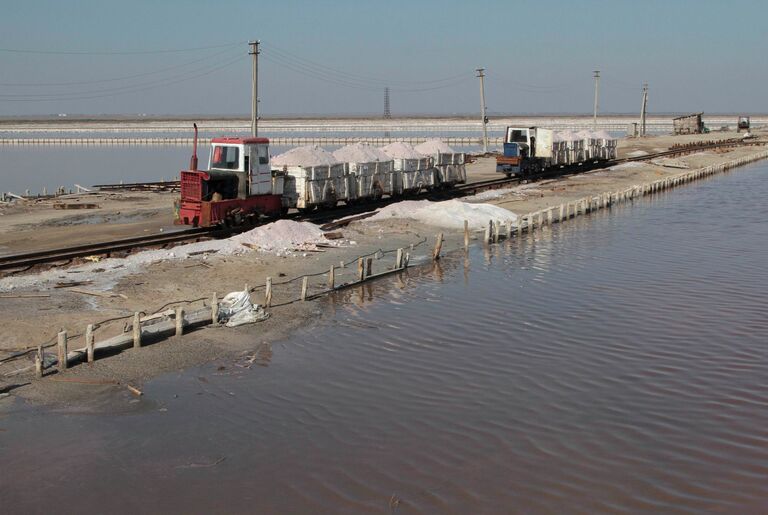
pixel 527 151
pixel 531 150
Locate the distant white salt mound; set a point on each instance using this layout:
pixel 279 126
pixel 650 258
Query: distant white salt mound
pixel 566 136
pixel 360 153
pixel 601 134
pixel 449 214
pixel 625 166
pixel 402 150
pixel 310 155
pixel 434 146
pixel 585 134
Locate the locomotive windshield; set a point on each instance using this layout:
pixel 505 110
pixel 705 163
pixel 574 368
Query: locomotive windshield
pixel 225 158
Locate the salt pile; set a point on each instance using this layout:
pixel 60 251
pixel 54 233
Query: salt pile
pixel 281 235
pixel 601 134
pixel 624 166
pixel 402 150
pixel 360 153
pixel 282 238
pixel 434 146
pixel 449 214
pixel 566 136
pixel 638 153
pixel 526 189
pixel 310 155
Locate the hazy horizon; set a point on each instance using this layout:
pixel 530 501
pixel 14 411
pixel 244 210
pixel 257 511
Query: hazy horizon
pixel 335 58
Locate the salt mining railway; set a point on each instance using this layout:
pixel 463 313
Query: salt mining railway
pixel 342 214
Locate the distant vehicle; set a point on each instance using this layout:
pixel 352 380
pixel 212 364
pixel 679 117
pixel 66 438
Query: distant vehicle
pixel 532 150
pixel 743 124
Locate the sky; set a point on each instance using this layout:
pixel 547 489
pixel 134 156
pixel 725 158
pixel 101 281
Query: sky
pixel 336 57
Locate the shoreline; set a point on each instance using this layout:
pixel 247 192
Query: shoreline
pixel 538 203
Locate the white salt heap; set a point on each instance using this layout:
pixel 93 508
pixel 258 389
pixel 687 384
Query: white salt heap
pixel 624 166
pixel 638 153
pixel 360 153
pixel 310 155
pixel 402 150
pixel 283 237
pixel 449 214
pixel 434 146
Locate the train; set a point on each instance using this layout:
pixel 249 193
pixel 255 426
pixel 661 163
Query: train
pixel 243 183
pixel 529 151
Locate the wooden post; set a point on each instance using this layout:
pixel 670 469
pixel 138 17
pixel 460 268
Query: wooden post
pixel 496 230
pixel 519 226
pixel 466 234
pixel 39 362
pixel 215 309
pixel 332 276
pixel 268 293
pixel 304 287
pixel 136 330
pixel 89 342
pixel 399 259
pixel 62 348
pixel 509 229
pixel 438 246
pixel 549 216
pixel 360 269
pixel 487 235
pixel 368 266
pixel 561 213
pixel 180 320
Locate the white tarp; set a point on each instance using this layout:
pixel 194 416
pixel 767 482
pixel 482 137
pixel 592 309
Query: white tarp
pixel 237 309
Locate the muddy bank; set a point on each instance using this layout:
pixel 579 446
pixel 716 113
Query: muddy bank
pixel 30 320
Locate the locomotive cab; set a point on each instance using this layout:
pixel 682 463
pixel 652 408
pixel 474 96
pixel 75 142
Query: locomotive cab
pixel 236 188
pixel 240 166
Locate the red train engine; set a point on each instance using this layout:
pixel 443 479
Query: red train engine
pixel 237 188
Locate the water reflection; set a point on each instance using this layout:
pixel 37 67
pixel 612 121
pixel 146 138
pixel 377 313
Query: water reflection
pixel 592 367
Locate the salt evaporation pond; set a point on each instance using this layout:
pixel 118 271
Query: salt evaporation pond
pixel 615 364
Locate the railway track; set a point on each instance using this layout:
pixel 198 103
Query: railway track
pixel 29 259
pixel 329 220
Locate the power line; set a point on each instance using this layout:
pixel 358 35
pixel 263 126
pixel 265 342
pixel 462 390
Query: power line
pixel 112 79
pixel 65 95
pixel 340 81
pixel 293 59
pixel 136 90
pixel 115 52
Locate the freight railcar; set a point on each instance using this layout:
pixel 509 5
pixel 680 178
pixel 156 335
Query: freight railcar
pixel 242 184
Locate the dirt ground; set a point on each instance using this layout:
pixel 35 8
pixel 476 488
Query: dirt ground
pixel 32 320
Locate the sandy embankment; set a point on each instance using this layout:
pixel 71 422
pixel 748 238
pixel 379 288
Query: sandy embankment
pixel 29 321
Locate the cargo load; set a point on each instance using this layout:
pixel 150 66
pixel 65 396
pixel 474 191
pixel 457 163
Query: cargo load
pixel 369 170
pixel 313 177
pixel 449 163
pixel 416 169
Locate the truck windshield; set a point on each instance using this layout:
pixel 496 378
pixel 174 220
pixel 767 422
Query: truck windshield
pixel 225 158
pixel 518 136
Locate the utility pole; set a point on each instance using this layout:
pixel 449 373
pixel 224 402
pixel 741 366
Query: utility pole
pixel 597 93
pixel 254 51
pixel 387 112
pixel 644 109
pixel 483 117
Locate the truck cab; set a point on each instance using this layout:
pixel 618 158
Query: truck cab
pixel 527 150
